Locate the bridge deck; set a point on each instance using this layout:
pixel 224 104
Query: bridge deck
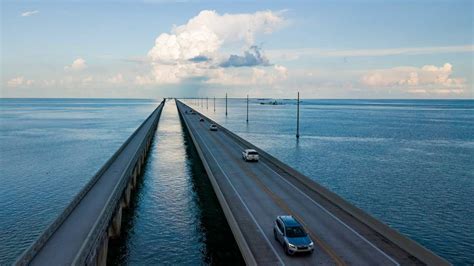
pixel 257 192
pixel 62 247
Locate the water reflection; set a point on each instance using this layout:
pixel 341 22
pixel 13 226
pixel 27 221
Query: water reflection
pixel 175 216
pixel 221 248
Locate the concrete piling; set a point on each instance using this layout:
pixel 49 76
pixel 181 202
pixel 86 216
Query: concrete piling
pixel 101 258
pixel 116 225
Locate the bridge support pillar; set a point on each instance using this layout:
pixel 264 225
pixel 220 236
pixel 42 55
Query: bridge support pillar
pixel 114 228
pixel 101 259
pixel 126 196
pixel 134 177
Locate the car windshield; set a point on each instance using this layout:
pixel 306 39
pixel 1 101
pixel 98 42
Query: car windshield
pixel 295 231
pixel 252 153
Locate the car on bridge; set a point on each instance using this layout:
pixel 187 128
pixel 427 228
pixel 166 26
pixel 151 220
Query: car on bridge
pixel 250 155
pixel 213 127
pixel 201 119
pixel 291 235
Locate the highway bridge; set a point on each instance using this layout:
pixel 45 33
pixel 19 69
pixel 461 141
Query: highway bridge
pixel 79 236
pixel 252 195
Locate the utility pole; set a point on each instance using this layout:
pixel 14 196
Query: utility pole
pixel 214 104
pixel 226 104
pixel 298 117
pixel 207 103
pixel 247 108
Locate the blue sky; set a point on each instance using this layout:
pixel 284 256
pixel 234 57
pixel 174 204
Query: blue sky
pixel 325 49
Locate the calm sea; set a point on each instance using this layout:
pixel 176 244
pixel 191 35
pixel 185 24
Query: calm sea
pixel 408 163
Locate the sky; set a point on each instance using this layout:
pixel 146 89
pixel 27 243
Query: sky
pixel 360 49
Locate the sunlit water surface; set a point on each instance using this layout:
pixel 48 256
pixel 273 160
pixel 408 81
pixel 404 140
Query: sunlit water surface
pixel 175 217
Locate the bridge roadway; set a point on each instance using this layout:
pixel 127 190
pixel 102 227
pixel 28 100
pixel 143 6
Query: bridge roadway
pixel 253 194
pixel 70 236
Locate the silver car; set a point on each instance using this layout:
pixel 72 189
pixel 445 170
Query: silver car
pixel 250 155
pixel 291 235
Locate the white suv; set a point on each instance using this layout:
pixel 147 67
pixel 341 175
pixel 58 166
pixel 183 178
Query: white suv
pixel 250 155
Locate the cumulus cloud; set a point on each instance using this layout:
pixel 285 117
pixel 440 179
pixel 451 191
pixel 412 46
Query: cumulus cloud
pixel 194 50
pixel 19 82
pixel 208 31
pixel 29 13
pixel 77 65
pixel 428 78
pixel 251 57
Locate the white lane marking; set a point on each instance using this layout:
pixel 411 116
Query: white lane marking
pixel 240 198
pixel 328 212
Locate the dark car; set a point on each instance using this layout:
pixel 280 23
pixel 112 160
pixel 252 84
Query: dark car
pixel 291 235
pixel 201 119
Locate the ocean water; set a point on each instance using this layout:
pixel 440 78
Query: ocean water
pixel 409 163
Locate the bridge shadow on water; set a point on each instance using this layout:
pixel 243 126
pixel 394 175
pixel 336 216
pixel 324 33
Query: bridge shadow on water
pixel 213 241
pixel 221 248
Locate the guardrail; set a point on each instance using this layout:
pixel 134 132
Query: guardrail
pixel 105 216
pixel 413 248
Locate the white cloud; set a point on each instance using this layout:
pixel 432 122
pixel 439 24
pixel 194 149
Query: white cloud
pixel 77 65
pixel 208 31
pixel 29 13
pixel 174 55
pixel 426 79
pixel 19 82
